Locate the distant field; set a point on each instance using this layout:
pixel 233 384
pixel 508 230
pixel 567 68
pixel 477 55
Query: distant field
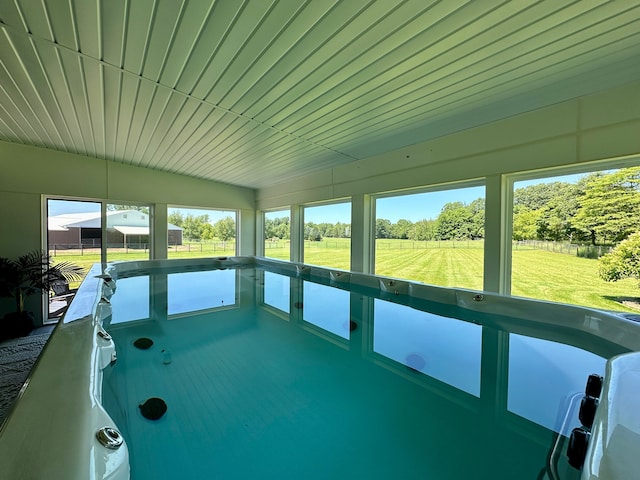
pixel 536 273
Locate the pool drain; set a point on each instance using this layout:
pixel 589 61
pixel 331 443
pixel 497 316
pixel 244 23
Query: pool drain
pixel 153 408
pixel 415 362
pixel 143 343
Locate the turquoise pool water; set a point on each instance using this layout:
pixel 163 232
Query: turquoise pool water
pixel 266 375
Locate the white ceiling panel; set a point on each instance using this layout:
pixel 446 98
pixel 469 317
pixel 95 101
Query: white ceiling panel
pixel 256 92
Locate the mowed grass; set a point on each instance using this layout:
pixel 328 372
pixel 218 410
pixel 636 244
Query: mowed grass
pixel 569 279
pixel 541 274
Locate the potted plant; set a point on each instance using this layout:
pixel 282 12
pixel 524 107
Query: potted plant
pixel 29 274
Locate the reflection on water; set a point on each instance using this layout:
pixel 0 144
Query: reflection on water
pixel 543 378
pixel 277 290
pixel 440 347
pixel 196 291
pixel 539 377
pixel 326 307
pixel 131 301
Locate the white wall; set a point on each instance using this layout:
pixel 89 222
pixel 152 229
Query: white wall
pixel 583 130
pixel 589 128
pixel 27 173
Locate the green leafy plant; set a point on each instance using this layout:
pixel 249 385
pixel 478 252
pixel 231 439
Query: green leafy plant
pixel 29 274
pixel 623 261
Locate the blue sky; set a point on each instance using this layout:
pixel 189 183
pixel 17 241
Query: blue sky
pixel 424 206
pixel 410 207
pixel 58 207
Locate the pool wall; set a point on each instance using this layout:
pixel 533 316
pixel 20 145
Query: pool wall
pixel 51 431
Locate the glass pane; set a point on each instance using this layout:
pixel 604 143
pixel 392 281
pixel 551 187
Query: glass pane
pixel 563 228
pixel 201 232
pixel 327 235
pixel 277 235
pixel 444 348
pixel 127 232
pixel 434 237
pixel 73 235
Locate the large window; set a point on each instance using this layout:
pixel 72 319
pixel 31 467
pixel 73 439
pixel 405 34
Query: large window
pixel 277 234
pixel 128 232
pixel 327 235
pixel 568 232
pixel 75 234
pixel 195 232
pixel 434 237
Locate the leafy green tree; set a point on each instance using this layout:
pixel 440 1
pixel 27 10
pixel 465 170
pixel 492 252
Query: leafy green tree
pixel 401 229
pixel 277 228
pixel 454 222
pixel 176 218
pixel 284 230
pixel 207 232
pixel 191 228
pixel 555 221
pixel 312 232
pixel 327 229
pixel 476 227
pixel 623 261
pixel 534 197
pixel 225 229
pixel 423 230
pixel 343 230
pixel 525 224
pixel 609 208
pixel 383 228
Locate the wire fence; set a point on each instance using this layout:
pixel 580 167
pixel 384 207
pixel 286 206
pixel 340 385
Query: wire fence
pixel 427 244
pixel 584 251
pixel 81 249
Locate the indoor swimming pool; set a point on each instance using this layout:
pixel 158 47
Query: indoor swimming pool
pixel 245 368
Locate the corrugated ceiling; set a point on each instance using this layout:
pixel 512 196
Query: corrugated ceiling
pixel 257 92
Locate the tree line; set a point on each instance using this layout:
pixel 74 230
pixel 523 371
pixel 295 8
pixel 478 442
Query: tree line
pixel 198 228
pixel 602 208
pixel 280 229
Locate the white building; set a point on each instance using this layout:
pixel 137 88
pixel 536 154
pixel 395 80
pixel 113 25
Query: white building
pixel 124 228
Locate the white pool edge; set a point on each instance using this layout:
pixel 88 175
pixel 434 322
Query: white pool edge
pixel 51 431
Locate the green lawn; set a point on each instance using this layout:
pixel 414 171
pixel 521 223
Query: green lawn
pixel 568 279
pixel 539 274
